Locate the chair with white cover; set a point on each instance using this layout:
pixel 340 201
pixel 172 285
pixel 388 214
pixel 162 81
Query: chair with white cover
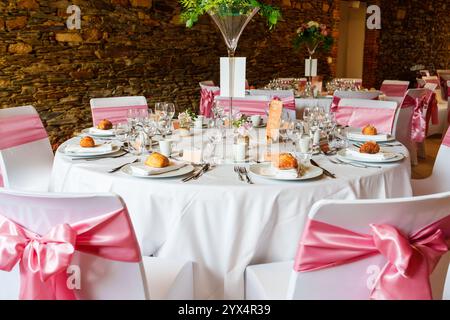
pixel 84 247
pixel 348 94
pixel 439 180
pixel 444 77
pixel 257 105
pixel 405 125
pixel 26 156
pixel 115 109
pixel 360 112
pixel 394 88
pixel 358 250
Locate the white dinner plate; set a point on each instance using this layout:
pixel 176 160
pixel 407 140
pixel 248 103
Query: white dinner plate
pixel 265 170
pixel 114 149
pixel 107 133
pixel 182 171
pixel 344 156
pixel 367 138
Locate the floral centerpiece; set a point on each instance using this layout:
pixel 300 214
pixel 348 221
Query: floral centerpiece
pixel 186 118
pixel 314 36
pixel 242 126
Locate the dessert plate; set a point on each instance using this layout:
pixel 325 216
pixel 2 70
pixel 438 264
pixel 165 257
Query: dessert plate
pixel 343 155
pixel 265 170
pixel 356 135
pixel 61 149
pixel 98 133
pixel 176 173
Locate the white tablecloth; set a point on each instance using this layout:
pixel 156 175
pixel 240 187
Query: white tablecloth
pixel 221 223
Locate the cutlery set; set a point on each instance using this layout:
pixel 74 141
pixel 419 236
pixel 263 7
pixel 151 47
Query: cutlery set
pixel 197 174
pixel 325 171
pixel 242 172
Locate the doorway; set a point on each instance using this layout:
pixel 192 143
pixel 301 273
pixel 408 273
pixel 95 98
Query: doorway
pixel 352 30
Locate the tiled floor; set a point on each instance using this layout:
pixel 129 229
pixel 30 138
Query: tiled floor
pixel 425 166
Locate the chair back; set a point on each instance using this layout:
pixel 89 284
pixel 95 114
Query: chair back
pixel 394 88
pixel 431 86
pixel 115 109
pixel 95 277
pixel 26 156
pixel 355 278
pixel 405 120
pixel 432 79
pixel 360 112
pixel 347 94
pixel 439 181
pixel 444 76
pixel 271 93
pixel 257 105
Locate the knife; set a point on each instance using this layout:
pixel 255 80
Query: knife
pixel 325 171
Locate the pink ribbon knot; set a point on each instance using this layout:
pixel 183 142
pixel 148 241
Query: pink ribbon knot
pixel 207 101
pixel 40 258
pixel 43 260
pixel 410 260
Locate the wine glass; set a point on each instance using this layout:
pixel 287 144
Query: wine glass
pixel 170 109
pixel 164 124
pixel 160 109
pixel 121 131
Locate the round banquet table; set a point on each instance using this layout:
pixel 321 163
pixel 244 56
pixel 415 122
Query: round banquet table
pixel 219 222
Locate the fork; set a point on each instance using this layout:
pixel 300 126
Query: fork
pixel 357 165
pixel 236 169
pixel 243 170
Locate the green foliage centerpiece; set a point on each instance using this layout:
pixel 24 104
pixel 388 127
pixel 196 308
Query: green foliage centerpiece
pixel 231 17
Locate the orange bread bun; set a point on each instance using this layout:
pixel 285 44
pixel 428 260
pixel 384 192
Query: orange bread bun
pixel 369 130
pixel 87 142
pixel 105 125
pixel 370 147
pixel 157 160
pixel 285 161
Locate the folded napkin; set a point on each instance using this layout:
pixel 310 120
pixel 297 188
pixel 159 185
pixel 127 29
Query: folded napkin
pixel 285 174
pixel 141 169
pixel 363 137
pixel 101 132
pixel 380 156
pixel 77 149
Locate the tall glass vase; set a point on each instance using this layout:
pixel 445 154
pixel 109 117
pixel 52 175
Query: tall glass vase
pixel 231 22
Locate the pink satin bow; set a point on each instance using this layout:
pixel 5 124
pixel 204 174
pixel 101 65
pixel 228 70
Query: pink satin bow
pixel 43 260
pixel 207 101
pixel 410 260
pixel 418 123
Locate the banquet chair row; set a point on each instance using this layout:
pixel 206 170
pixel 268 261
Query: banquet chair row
pixel 363 249
pixel 26 156
pixel 92 251
pixel 394 88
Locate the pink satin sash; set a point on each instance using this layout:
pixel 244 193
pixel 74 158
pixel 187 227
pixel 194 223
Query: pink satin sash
pixel 43 260
pixel 432 111
pixel 410 260
pixel 382 119
pixel 394 90
pixel 418 122
pixel 207 101
pixel 114 114
pixel 247 107
pixel 19 130
pixel 1 181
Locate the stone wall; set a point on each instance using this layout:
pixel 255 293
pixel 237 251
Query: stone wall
pixel 131 47
pixel 139 47
pixel 412 32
